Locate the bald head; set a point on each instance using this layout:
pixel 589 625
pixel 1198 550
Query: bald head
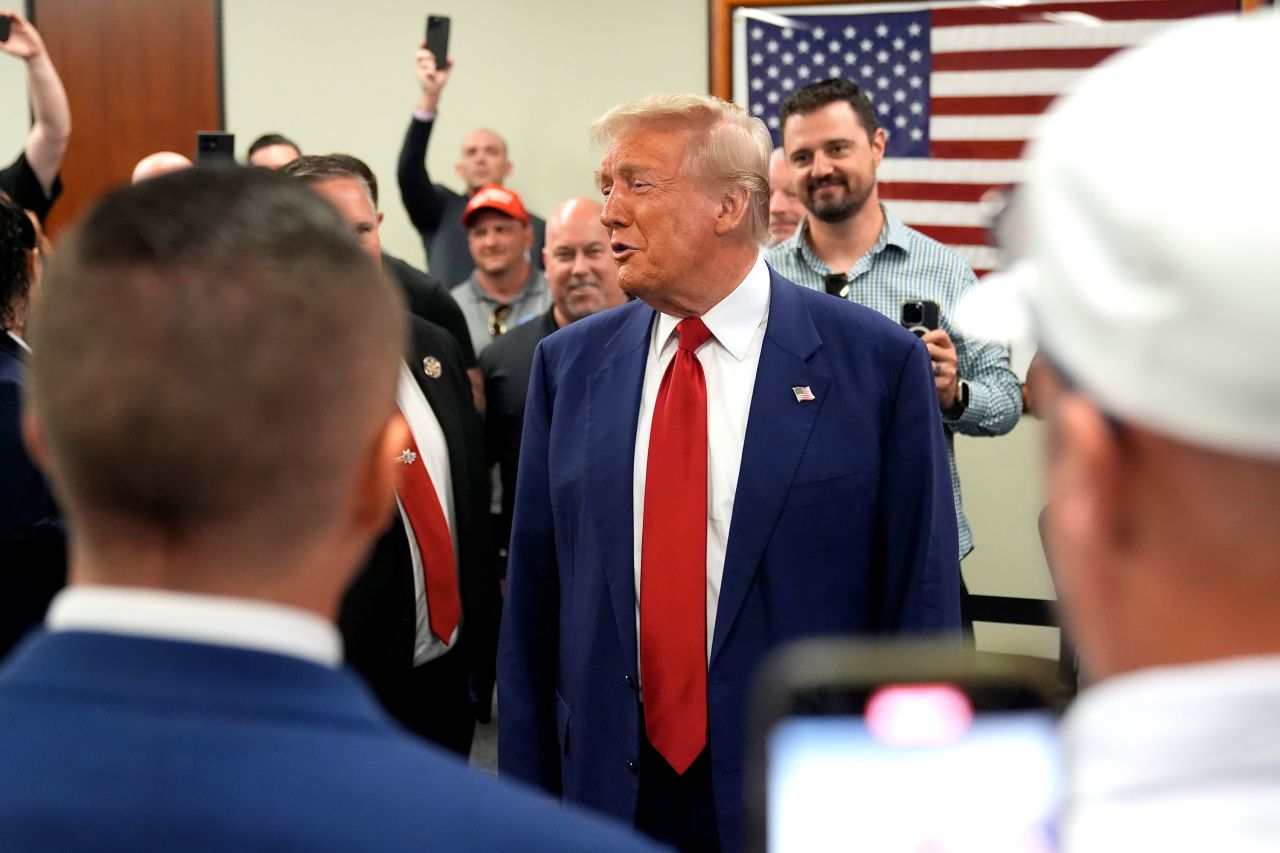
pixel 484 159
pixel 193 392
pixel 581 272
pixel 157 164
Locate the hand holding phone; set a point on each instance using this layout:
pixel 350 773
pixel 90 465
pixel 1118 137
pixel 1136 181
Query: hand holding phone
pixel 921 316
pixel 438 39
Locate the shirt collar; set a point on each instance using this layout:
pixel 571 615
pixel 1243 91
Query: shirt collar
pixel 733 320
pixel 892 233
pixel 190 617
pixel 533 286
pixel 22 345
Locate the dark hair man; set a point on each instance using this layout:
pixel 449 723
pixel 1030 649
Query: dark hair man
pixel 224 464
pixel 32 180
pixel 435 210
pixel 436 680
pixel 851 246
pixel 652 567
pixel 1164 438
pixel 273 151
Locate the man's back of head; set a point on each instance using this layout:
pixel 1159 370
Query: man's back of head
pixel 191 396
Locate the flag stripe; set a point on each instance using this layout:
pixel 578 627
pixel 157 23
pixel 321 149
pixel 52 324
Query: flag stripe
pixel 1023 36
pixel 986 149
pixel 953 235
pixel 1001 60
pixel 920 170
pixel 983 127
pixel 966 214
pixel 967 83
pixel 994 106
pixel 1108 11
pixel 911 191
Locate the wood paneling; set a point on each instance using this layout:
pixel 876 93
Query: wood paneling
pixel 141 76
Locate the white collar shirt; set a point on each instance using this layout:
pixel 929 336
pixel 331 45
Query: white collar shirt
pixel 729 363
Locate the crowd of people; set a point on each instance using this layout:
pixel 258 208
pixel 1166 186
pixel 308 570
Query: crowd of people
pixel 279 509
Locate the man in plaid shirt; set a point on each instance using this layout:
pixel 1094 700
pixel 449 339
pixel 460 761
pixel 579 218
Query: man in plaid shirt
pixel 853 248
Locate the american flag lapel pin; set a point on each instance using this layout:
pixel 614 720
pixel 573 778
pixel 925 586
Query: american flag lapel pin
pixel 802 393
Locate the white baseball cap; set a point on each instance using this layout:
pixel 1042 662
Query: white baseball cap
pixel 1149 230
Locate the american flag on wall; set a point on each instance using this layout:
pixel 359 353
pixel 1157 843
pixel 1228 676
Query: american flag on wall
pixel 958 87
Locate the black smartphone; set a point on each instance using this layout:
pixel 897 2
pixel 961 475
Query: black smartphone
pixel 859 745
pixel 921 315
pixel 215 146
pixel 5 23
pixel 438 39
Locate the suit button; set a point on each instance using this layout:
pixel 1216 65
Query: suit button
pixel 631 682
pixel 633 767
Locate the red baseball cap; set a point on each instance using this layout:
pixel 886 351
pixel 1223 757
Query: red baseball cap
pixel 494 197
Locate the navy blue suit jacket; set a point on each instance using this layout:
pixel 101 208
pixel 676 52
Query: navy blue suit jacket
pixel 843 523
pixel 115 743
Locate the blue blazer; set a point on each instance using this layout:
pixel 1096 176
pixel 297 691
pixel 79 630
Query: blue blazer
pixel 117 743
pixel 843 523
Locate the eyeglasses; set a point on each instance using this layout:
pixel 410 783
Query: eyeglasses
pixel 837 284
pixel 498 320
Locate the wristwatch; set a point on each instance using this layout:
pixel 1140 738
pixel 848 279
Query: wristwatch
pixel 960 405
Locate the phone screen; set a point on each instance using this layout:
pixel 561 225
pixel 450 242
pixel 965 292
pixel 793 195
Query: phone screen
pixel 919 770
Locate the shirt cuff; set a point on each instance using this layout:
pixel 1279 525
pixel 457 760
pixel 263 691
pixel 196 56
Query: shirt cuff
pixel 419 115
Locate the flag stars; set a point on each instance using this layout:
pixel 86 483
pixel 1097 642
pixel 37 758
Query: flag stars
pixel 917 134
pixel 773 122
pixel 867 71
pixel 882 29
pixel 772 46
pixel 866 45
pixel 850 58
pixel 757 58
pixel 917 108
pixel 916 82
pixel 802 46
pixel 819 58
pixel 756 84
pixel 850 32
pixel 899 70
pixel 788 33
pixel 772 97
pixel 757 109
pixel 915 56
pixel 899 96
pixel 882 82
pixel 772 71
pixel 819 33
pixel 757 33
pixel 882 56
pixel 833 46
pixel 899 43
pixel 788 84
pixel 835 71
pixel 883 108
pixel 913 29
pixel 803 72
pixel 788 58
pixel 900 121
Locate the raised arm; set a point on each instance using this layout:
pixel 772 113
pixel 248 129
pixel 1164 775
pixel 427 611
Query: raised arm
pixel 424 203
pixel 51 130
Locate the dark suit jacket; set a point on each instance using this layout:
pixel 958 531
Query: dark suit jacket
pixel 33 560
pixel 377 617
pixel 119 743
pixel 843 523
pixel 429 299
pixel 506 364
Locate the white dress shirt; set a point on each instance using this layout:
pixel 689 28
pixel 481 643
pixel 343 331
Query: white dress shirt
pixel 435 454
pixel 729 361
pixel 210 620
pixel 1176 758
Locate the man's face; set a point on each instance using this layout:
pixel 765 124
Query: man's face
pixel 484 160
pixel 785 209
pixel 581 272
pixel 498 242
pixel 274 156
pixel 351 199
pixel 661 221
pixel 833 162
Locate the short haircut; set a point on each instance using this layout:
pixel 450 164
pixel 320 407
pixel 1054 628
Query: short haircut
pixel 17 237
pixel 815 96
pixel 266 140
pixel 214 355
pixel 317 168
pixel 729 149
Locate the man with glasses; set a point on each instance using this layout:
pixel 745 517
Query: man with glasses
pixel 504 290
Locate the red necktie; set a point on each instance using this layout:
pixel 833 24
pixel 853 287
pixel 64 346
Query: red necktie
pixel 673 559
pixel 439 573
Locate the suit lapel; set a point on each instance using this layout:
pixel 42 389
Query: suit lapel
pixel 613 402
pixel 778 430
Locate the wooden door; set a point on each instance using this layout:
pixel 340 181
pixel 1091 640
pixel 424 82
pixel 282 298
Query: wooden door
pixel 141 76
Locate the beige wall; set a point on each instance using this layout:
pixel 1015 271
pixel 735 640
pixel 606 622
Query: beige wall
pixel 337 75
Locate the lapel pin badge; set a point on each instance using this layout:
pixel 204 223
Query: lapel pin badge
pixel 431 366
pixel 802 393
pixel 407 456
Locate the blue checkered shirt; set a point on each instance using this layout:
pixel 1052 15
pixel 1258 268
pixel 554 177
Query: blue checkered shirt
pixel 904 265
